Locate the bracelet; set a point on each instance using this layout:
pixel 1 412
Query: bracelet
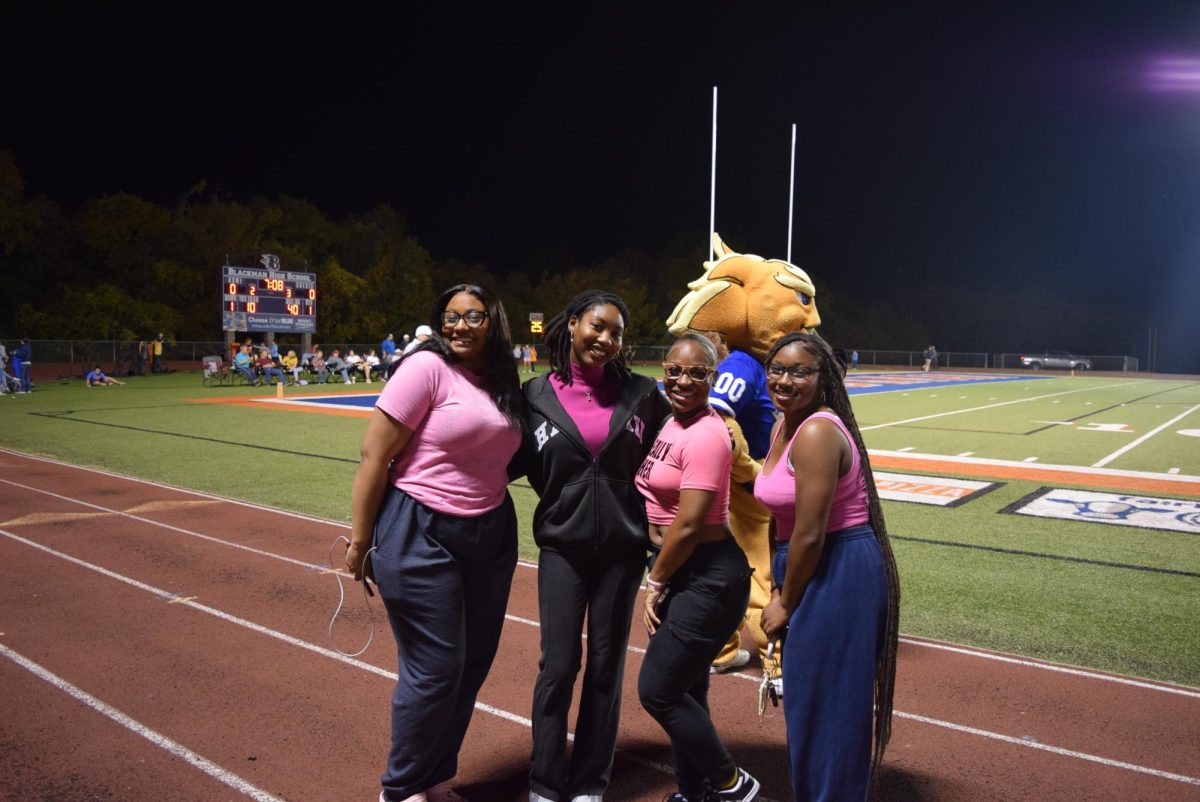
pixel 654 584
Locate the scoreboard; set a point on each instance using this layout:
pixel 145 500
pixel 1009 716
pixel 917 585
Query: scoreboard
pixel 268 299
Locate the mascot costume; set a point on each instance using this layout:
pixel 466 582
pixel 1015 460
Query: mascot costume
pixel 750 302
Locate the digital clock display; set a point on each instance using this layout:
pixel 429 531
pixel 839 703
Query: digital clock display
pixel 268 299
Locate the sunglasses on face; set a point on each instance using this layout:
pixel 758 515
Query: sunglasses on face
pixel 697 373
pixel 474 318
pixel 797 372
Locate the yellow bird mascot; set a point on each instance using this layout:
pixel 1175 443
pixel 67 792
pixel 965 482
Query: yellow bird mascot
pixel 747 302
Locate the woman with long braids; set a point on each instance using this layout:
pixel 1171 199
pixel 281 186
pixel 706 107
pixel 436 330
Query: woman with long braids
pixel 591 422
pixel 431 497
pixel 837 600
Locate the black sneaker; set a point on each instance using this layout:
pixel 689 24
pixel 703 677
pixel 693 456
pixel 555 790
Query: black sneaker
pixel 744 789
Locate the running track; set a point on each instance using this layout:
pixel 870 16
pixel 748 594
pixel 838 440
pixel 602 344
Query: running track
pixel 161 644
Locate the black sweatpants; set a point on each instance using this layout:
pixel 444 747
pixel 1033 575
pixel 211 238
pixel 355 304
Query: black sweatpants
pixel 570 586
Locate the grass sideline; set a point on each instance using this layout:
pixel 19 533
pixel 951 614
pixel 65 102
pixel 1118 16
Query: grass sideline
pixel 1080 593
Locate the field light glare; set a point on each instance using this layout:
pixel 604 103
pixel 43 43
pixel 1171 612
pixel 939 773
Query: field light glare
pixel 1174 74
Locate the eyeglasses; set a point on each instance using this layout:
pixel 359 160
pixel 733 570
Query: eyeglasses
pixel 797 372
pixel 474 318
pixel 697 373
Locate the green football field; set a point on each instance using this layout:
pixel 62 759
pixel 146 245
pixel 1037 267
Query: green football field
pixel 1019 562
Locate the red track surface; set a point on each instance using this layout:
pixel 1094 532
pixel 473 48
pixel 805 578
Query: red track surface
pixel 203 621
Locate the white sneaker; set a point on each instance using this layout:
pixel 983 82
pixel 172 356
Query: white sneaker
pixel 588 798
pixel 740 659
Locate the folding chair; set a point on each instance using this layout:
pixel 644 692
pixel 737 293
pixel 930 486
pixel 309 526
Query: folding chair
pixel 215 371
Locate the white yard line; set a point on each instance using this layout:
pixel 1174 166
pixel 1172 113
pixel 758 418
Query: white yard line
pixel 991 406
pixel 1143 438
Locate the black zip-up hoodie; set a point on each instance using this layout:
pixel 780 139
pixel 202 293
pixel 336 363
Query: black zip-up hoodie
pixel 589 504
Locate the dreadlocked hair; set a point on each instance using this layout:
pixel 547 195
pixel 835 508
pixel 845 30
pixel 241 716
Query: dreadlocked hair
pixel 500 378
pixel 558 335
pixel 834 396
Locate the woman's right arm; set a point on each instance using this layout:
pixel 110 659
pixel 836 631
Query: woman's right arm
pixel 384 439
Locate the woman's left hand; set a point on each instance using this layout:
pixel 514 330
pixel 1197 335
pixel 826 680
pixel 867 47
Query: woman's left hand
pixel 650 613
pixel 774 618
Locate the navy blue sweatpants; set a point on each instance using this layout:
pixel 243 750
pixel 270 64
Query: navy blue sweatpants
pixel 832 645
pixel 444 581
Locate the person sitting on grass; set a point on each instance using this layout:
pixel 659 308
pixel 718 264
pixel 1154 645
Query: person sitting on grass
pixel 96 378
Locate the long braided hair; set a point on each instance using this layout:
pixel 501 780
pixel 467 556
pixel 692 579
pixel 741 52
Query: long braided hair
pixel 558 336
pixel 834 396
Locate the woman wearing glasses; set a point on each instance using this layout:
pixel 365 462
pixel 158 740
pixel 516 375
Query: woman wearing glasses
pixel 837 598
pixel 430 505
pixel 591 422
pixel 697 588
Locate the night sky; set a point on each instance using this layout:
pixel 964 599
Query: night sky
pixel 1049 145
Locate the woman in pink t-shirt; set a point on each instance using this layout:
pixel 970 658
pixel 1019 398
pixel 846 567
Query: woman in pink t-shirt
pixel 431 507
pixel 837 602
pixel 699 584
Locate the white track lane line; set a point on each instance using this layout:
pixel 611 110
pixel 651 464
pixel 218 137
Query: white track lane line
pixel 518 719
pixel 163 742
pixel 1075 670
pixel 989 406
pixel 291 641
pixel 1142 439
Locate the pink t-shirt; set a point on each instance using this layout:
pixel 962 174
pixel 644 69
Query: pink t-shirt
pixel 695 455
pixel 776 489
pixel 456 462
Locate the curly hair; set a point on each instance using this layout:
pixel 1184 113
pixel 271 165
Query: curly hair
pixel 558 335
pixel 834 396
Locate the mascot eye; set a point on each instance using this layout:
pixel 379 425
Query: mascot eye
pixel 804 299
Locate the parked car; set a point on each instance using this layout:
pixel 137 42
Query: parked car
pixel 1060 360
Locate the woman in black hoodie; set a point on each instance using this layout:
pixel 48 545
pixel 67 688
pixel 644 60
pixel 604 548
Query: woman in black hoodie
pixel 591 423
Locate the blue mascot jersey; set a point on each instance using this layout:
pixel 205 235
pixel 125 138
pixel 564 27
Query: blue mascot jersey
pixel 741 391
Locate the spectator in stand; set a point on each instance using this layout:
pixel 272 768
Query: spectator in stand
pixel 388 349
pixel 273 347
pixel 266 366
pixel 291 363
pixel 370 363
pixel 243 363
pixel 354 364
pixel 336 363
pixel 422 334
pixel 317 365
pixel 96 378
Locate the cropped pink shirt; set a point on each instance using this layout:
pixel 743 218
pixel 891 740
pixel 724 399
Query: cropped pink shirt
pixel 694 455
pixel 456 462
pixel 776 489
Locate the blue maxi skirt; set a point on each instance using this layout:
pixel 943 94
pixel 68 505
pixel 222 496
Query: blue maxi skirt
pixel 833 641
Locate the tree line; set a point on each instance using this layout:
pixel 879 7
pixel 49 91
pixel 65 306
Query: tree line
pixel 122 267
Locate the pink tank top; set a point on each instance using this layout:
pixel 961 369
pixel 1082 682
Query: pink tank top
pixel 776 489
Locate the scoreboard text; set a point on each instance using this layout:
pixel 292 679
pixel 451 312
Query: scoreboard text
pixel 266 299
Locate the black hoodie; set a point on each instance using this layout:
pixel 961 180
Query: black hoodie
pixel 588 504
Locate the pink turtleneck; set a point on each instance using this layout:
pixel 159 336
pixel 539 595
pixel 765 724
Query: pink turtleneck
pixel 589 400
